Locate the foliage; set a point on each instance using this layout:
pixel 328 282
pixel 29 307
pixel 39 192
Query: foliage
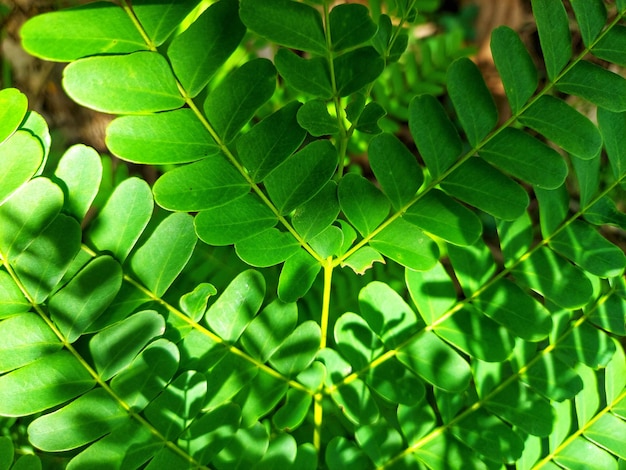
pixel 282 306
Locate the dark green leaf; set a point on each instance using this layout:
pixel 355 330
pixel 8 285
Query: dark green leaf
pixel 300 177
pixel 298 350
pixel 314 117
pixel 267 248
pixel 554 278
pixel 553 208
pixel 613 126
pixel 201 49
pixel 432 291
pixel 84 420
pixel 309 76
pixel 380 441
pixel 350 25
pixel 407 245
pixel 362 203
pixel 269 329
pixel 442 216
pixel 357 68
pixel 515 66
pixel 79 303
pixel 356 341
pixel 472 101
pixel 473 265
pixel 356 402
pixel 600 86
pixel 270 142
pixel 66 35
pixel 554 35
pixel 368 119
pixel 564 126
pixel 395 168
pixel 436 362
pixel 171 137
pixel 610 316
pixel 291 414
pixel 588 176
pixel 160 19
pixel 588 345
pixel 396 384
pixel 159 261
pixel 123 218
pixel 207 184
pixel 136 83
pixel 297 276
pixel 237 305
pixel 526 158
pixel 225 380
pixel 436 137
pixel 552 378
pixel 591 17
pixel 604 211
pixel 341 454
pixel 484 187
pixel 289 23
pixel 60 377
pixel 245 449
pixel 312 217
pixel 115 347
pixel 242 92
pixel 612 45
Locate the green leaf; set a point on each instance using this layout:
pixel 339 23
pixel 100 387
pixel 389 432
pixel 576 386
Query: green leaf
pixel 588 345
pixel 604 211
pixel 526 158
pixel 123 218
pixel 379 441
pixel 583 245
pixel 81 301
pixel 591 17
pixel 520 313
pixel 161 19
pixel 60 377
pixel 234 221
pixel 159 261
pixel 612 126
pixel 362 203
pixel 436 137
pixel 270 142
pixel 242 92
pixel 97 28
pixel 476 335
pixel 44 263
pixel 297 276
pixel 356 341
pixel 341 453
pixel 269 329
pixel 591 82
pixel 554 35
pixel 355 400
pixel 407 245
pixel 12 300
pixel 21 156
pixel 293 412
pixel 14 106
pixel 298 350
pixel 552 378
pixel 368 119
pixel 315 215
pixel 386 313
pixel 282 451
pixel 489 437
pixel 479 184
pixel 588 176
pixel 136 83
pixel 310 76
pixel 201 49
pixel 80 172
pixel 171 137
pixel 209 183
pixel 314 117
pixel 291 24
pixel 582 454
pixel 237 306
pixel 6 452
pixel 357 68
pixel 245 449
pixel 436 362
pixel 564 126
pixel 267 248
pixel 553 208
pixel 396 384
pixel 363 259
pixel 210 433
pixel 172 411
pixel 115 347
pixel 153 368
pixel 472 101
pixel 515 66
pixel 82 421
pixel 328 243
pixel 473 266
pixel 26 338
pixel 610 316
pixel 350 25
pixel 27 214
pixel 395 168
pixel 301 176
pixel 554 278
pixel 515 237
pixel 610 47
pixel 432 291
pixel 442 216
pixel 416 421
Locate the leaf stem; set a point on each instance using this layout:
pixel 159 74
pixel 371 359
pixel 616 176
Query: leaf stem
pixel 328 276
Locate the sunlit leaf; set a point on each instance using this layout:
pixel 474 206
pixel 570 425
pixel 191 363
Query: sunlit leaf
pixel 26 339
pixel 80 170
pixel 407 245
pixel 269 329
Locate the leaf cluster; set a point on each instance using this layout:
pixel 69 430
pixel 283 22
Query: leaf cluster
pixel 270 303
